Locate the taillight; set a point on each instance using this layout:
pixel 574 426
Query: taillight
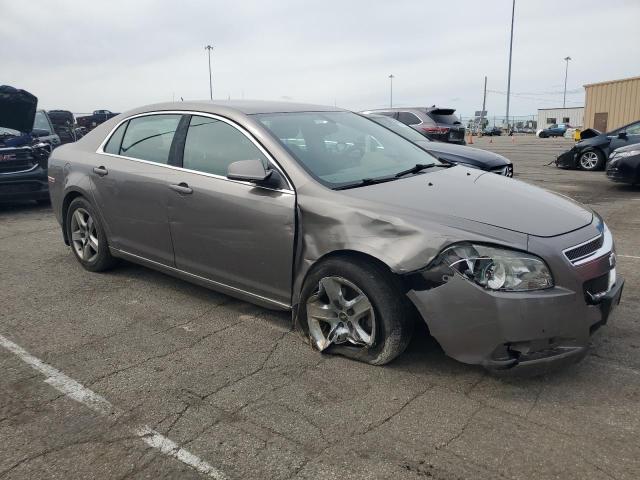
pixel 436 130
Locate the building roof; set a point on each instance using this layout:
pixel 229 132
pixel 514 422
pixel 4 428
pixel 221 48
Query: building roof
pixel 560 108
pixel 611 81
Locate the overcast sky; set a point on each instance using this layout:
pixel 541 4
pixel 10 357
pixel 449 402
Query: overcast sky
pixel 86 55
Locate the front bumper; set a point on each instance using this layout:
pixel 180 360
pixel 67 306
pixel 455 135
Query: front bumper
pixel 27 185
pixel 515 331
pixel 568 159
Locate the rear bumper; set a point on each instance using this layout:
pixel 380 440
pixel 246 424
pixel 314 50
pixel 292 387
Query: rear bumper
pixel 29 185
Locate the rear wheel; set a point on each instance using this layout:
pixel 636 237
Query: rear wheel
pixel 355 308
pixel 591 160
pixel 87 238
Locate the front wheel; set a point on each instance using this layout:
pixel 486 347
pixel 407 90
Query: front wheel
pixel 591 160
pixel 355 308
pixel 87 238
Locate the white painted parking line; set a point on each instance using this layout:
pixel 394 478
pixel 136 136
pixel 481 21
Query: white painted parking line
pixel 628 256
pixel 101 405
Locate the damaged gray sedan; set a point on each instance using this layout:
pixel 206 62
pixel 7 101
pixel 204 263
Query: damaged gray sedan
pixel 352 228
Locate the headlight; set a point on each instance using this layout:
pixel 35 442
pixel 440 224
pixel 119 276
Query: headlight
pixel 626 153
pixel 496 268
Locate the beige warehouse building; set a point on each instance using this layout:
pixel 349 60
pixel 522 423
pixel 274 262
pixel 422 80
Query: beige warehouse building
pixel 612 104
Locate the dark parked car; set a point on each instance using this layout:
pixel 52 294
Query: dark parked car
pixel 624 165
pixel 354 229
pixel 437 124
pixel 555 130
pixel 64 124
pixel 592 152
pixel 23 153
pixel 492 131
pixel 96 118
pixel 458 154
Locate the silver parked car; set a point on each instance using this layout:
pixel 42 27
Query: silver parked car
pixel 350 226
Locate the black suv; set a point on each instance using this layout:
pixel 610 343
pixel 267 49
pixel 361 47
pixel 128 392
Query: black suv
pixel 435 123
pixel 26 141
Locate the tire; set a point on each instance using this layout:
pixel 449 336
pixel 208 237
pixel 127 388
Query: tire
pixel 591 160
pixel 390 321
pixel 543 135
pixel 89 244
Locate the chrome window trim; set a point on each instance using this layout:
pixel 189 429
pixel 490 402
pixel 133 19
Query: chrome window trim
pixel 241 129
pixel 606 248
pixel 208 280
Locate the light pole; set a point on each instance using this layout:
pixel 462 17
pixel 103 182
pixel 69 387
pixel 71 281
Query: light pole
pixel 208 48
pixel 391 91
pixel 513 11
pixel 566 72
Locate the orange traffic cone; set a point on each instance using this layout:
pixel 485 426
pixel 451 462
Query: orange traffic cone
pixel 491 139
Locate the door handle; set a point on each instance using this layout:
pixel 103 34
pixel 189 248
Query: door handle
pixel 181 188
pixel 100 170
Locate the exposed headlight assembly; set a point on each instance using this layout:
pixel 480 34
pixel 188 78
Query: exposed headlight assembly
pixel 497 268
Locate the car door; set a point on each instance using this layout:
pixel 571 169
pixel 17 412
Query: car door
pixel 234 233
pixel 130 180
pixel 631 135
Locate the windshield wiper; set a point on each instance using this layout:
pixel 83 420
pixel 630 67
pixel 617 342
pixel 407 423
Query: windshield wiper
pixel 415 169
pixel 364 182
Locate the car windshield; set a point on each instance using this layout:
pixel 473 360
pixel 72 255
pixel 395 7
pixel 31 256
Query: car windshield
pixel 400 128
pixel 342 148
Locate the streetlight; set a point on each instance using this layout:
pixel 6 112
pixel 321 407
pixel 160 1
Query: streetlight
pixel 566 71
pixel 209 48
pixel 513 11
pixel 391 77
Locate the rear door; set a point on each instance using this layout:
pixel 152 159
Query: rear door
pixel 234 233
pixel 131 185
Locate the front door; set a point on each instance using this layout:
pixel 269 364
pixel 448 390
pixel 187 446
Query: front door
pixel 130 184
pixel 631 136
pixel 234 233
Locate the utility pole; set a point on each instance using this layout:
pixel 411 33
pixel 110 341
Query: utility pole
pixel 484 101
pixel 566 72
pixel 208 48
pixel 391 77
pixel 513 11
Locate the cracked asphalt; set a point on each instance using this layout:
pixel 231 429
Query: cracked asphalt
pixel 232 384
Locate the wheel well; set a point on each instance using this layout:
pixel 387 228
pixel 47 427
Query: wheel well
pixel 70 197
pixel 348 254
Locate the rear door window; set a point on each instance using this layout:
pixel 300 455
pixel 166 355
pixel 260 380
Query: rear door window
pixel 149 138
pixel 114 143
pixel 408 118
pixel 212 145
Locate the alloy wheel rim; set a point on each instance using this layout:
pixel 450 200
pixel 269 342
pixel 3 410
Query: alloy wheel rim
pixel 84 235
pixel 589 160
pixel 338 313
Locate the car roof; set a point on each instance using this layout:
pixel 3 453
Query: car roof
pixel 247 107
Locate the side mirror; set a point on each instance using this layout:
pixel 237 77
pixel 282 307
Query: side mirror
pixel 248 171
pixel 622 135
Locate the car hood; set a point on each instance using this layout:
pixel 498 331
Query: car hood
pixel 17 109
pixel 598 140
pixel 478 197
pixel 470 155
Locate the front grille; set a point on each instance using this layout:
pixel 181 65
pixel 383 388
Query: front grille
pixel 584 250
pixel 16 160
